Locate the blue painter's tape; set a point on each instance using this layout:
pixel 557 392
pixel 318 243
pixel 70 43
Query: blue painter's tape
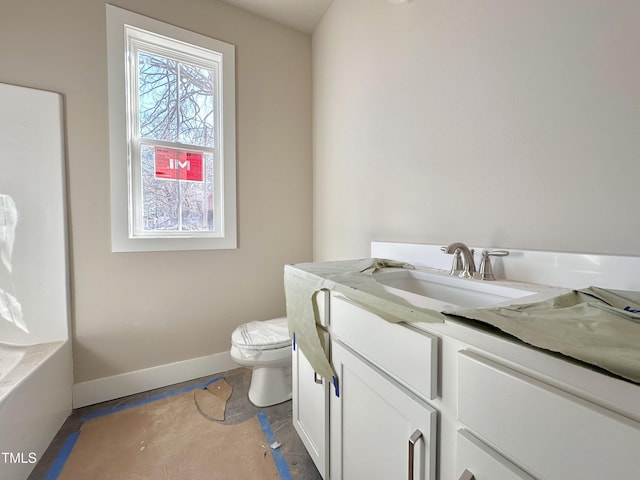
pixel 294 341
pixel 109 411
pixel 278 458
pixel 61 459
pixel 336 386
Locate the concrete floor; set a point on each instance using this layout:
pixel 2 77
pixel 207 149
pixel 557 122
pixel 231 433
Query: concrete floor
pixel 239 409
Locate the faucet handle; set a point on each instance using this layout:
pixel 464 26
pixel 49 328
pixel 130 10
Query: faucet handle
pixel 486 272
pixel 457 266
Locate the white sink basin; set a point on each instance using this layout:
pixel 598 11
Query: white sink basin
pixel 443 292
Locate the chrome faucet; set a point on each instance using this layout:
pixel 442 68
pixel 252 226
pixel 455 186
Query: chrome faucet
pixel 468 264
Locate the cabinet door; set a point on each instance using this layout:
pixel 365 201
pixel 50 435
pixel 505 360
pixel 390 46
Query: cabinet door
pixel 311 410
pixel 377 426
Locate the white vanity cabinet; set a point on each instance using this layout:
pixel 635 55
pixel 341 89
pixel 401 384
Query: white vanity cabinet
pixel 455 401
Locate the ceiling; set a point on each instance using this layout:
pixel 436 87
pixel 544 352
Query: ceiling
pixel 302 15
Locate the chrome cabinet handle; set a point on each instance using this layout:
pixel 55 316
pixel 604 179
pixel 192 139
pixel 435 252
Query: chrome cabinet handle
pixel 412 443
pixel 317 378
pixel 467 475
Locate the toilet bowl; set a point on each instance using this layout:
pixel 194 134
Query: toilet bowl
pixel 265 346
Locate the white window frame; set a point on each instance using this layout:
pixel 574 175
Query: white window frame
pixel 124 29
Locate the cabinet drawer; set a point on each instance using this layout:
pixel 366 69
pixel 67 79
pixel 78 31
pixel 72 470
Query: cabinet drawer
pixel 407 355
pixel 552 434
pixel 484 463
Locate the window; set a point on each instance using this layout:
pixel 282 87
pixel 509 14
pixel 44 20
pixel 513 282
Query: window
pixel 172 136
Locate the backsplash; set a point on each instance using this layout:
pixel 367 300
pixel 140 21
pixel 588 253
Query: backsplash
pixel 569 270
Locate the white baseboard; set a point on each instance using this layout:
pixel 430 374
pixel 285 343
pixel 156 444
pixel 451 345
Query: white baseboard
pixel 116 386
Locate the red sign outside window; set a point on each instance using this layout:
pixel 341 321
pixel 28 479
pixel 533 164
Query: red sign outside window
pixel 175 164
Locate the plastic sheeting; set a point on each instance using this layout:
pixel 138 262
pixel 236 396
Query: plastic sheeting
pixel 594 325
pixel 262 335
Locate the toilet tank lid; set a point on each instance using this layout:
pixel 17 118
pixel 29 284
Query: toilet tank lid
pixel 262 335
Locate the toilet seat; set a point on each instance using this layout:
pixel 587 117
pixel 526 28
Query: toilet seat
pixel 262 335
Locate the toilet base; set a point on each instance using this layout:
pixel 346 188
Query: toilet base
pixel 270 385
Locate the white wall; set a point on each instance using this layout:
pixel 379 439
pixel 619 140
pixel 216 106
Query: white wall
pixel 502 123
pixel 133 311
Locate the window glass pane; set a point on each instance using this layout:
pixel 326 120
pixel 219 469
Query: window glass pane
pixel 158 93
pixel 172 204
pixel 196 106
pixel 209 176
pixel 159 196
pixel 194 206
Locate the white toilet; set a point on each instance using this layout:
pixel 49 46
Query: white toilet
pixel 266 347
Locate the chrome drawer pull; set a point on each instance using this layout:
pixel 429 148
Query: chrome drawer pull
pixel 467 475
pixel 412 443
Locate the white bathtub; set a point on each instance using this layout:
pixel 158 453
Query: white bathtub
pixel 35 351
pixel 35 400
